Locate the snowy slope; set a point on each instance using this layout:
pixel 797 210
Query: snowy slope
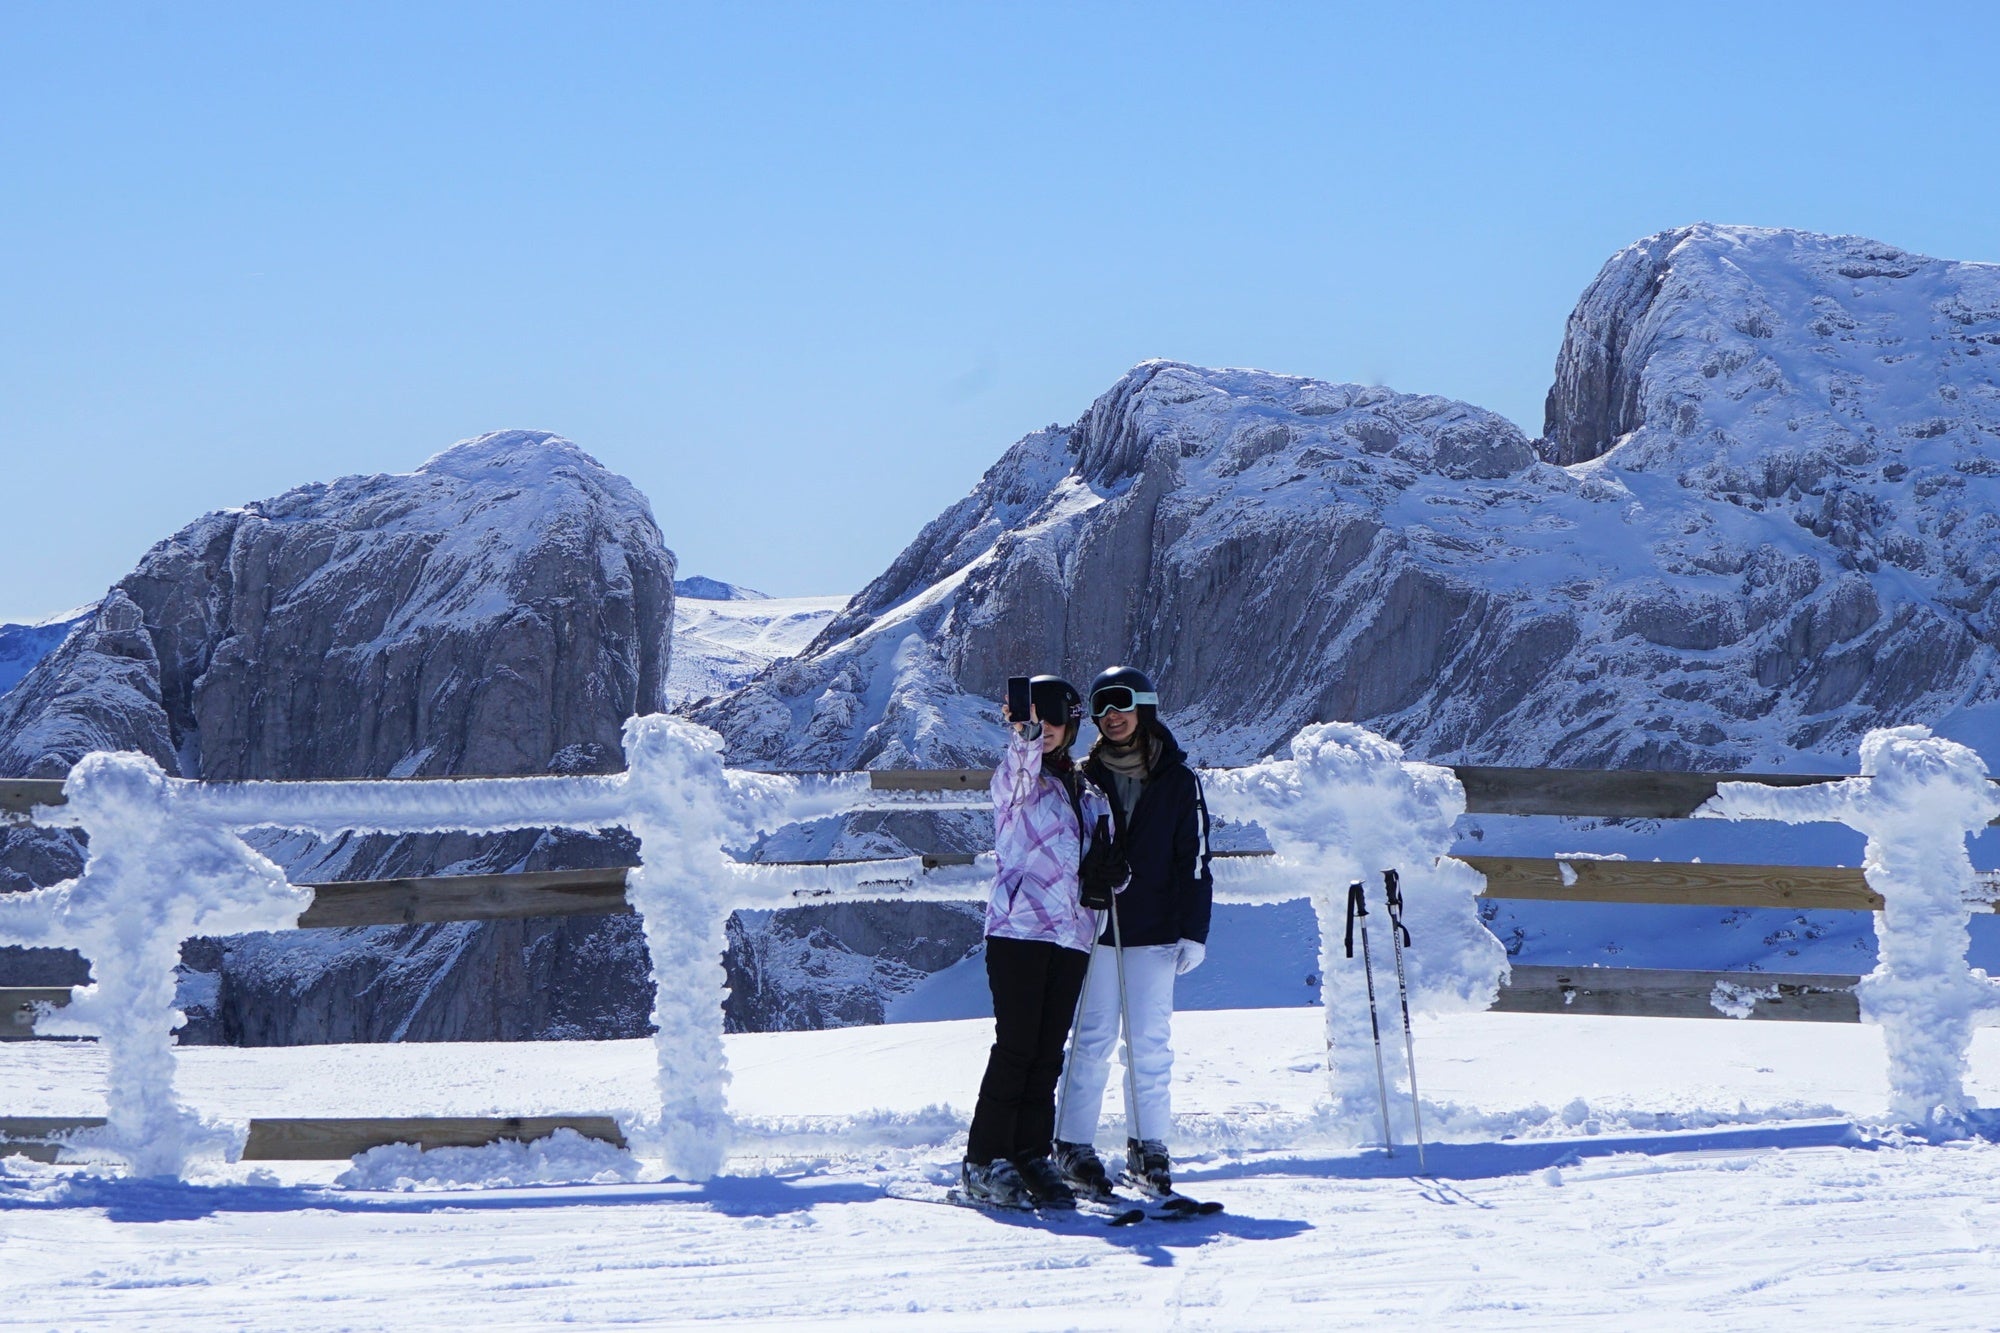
pixel 721 641
pixel 1597 1173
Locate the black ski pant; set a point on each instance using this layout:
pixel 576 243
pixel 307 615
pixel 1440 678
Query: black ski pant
pixel 1035 988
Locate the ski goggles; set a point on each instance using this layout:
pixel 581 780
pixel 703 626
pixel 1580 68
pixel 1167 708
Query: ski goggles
pixel 1120 699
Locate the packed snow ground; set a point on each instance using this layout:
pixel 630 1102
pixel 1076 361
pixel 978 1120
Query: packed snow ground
pixel 1558 1201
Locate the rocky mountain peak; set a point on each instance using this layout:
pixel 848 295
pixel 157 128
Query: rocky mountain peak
pixel 1163 526
pixel 1716 345
pixel 509 601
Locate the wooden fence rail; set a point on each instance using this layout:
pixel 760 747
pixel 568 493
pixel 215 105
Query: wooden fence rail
pixel 330 1140
pixel 1545 879
pixel 1533 989
pixel 1548 879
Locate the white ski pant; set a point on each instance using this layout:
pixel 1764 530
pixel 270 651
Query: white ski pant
pixel 1149 987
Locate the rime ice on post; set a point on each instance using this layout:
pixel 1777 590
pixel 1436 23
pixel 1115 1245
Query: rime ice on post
pixel 152 879
pixel 1918 797
pixel 1344 807
pixel 678 795
pixel 683 806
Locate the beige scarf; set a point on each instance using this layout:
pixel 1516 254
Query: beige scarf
pixel 1129 761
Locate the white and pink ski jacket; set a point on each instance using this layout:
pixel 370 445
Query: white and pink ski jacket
pixel 1038 844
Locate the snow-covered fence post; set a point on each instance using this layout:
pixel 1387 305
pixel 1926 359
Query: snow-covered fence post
pixel 678 798
pixel 1917 799
pixel 683 806
pixel 1346 806
pixel 152 879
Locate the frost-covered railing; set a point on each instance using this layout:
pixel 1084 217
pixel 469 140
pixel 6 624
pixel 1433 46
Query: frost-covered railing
pixel 1918 799
pixel 166 861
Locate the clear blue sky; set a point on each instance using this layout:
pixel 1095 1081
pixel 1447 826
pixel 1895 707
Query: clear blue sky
pixel 804 271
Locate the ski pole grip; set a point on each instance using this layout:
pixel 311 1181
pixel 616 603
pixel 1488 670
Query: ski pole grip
pixel 1392 889
pixel 1357 905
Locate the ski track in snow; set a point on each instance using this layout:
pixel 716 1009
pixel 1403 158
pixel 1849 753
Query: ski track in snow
pixel 1779 1214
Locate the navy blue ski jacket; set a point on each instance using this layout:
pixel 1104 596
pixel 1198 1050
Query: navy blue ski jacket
pixel 1166 844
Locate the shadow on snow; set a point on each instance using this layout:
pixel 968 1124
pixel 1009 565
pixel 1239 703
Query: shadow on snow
pixel 164 1200
pixel 1513 1157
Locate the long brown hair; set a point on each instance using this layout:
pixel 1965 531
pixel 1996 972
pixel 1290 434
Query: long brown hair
pixel 1060 761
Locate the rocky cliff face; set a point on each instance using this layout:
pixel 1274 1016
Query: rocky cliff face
pixel 501 610
pixel 1827 412
pixel 1762 520
pixel 1190 522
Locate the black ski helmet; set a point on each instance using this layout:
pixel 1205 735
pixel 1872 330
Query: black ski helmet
pixel 1124 678
pixel 1055 698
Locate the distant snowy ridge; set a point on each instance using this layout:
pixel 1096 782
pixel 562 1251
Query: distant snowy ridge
pixel 21 646
pixel 1765 517
pixel 715 590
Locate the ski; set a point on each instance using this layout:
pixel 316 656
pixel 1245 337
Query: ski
pixel 1177 1206
pixel 1173 1206
pixel 1116 1214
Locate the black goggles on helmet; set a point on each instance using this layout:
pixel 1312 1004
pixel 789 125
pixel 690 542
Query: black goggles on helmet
pixel 1120 699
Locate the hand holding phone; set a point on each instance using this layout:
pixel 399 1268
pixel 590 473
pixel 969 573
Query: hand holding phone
pixel 1020 706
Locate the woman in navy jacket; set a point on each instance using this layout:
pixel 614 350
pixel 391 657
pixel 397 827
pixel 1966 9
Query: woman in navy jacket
pixel 1161 822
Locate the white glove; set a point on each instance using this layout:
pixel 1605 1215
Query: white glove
pixel 1188 955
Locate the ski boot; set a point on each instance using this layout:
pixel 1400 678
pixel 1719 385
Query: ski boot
pixel 996 1183
pixel 1148 1167
pixel 1045 1184
pixel 1083 1169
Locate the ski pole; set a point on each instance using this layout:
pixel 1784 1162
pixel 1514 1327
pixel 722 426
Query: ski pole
pixel 1357 906
pixel 1399 938
pixel 1125 1024
pixel 1069 1057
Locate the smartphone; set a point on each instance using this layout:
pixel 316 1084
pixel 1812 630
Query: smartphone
pixel 1019 700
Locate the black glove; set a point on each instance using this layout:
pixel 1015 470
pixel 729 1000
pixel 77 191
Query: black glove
pixel 1103 869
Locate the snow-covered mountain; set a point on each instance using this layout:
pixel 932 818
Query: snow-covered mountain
pixel 500 610
pixel 1762 520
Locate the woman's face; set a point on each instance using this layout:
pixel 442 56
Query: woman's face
pixel 1118 727
pixel 1054 734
